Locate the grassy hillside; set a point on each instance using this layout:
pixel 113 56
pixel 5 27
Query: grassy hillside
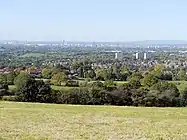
pixel 27 121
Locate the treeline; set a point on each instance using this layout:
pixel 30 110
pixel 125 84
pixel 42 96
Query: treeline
pixel 141 90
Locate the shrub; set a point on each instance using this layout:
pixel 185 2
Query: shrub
pixel 119 97
pixel 139 96
pixel 34 91
pixel 77 96
pixel 21 79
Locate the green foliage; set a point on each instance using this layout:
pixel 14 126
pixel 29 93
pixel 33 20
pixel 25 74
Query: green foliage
pixel 22 79
pixel 139 97
pixel 58 79
pixel 182 75
pixel 81 72
pixel 184 97
pixel 167 94
pixel 149 80
pixel 3 90
pixel 46 73
pixel 158 71
pixel 10 78
pixel 164 86
pixel 120 97
pixel 109 85
pixel 34 91
pixel 101 75
pixel 91 74
pixel 3 78
pixel 134 82
pixel 97 84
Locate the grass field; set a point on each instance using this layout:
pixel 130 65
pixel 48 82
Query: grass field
pixel 181 85
pixel 11 87
pixel 33 55
pixel 27 121
pixel 63 88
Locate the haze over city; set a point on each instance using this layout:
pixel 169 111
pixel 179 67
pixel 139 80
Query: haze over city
pixel 93 20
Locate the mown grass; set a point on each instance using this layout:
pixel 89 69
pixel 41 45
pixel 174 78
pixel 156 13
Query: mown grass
pixel 11 87
pixel 33 55
pixel 27 121
pixel 61 88
pixel 181 85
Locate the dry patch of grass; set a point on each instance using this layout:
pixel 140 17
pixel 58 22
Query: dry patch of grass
pixel 27 121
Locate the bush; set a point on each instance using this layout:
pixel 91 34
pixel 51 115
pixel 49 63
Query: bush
pixel 35 91
pixel 139 97
pixel 119 97
pixel 77 96
pixel 4 90
pixel 184 98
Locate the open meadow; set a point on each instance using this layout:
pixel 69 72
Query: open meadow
pixel 28 121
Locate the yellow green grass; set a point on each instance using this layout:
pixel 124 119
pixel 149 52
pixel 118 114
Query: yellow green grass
pixel 11 87
pixel 27 121
pixel 181 85
pixel 63 88
pixel 33 55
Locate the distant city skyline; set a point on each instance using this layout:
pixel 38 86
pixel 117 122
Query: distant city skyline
pixel 93 20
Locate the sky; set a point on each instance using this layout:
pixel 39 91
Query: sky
pixel 93 20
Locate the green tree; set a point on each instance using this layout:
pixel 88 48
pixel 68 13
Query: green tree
pixel 3 90
pixel 149 80
pixel 75 65
pixel 3 79
pixel 59 78
pixel 35 91
pixel 167 95
pixel 184 97
pixel 158 71
pixel 182 75
pixel 10 78
pixel 109 85
pixel 46 73
pixel 81 72
pixel 134 82
pixel 101 75
pixel 91 74
pixel 21 79
pixel 124 73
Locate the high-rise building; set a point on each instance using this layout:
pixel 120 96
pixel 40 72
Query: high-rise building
pixel 145 56
pixel 139 55
pixel 118 55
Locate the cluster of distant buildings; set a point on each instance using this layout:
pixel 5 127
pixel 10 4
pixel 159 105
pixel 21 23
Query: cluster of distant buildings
pixel 143 55
pixel 138 55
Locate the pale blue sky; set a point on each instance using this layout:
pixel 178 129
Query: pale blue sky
pixel 88 20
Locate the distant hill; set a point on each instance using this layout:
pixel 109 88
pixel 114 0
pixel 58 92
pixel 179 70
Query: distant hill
pixel 159 42
pixel 145 42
